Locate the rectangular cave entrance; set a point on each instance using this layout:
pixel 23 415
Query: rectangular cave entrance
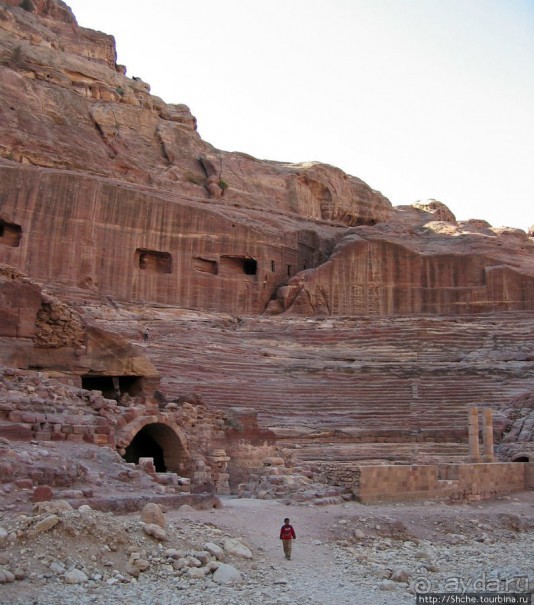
pixel 153 261
pixel 113 387
pixel 10 234
pixel 239 265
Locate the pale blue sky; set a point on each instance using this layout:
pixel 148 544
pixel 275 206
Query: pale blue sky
pixel 419 98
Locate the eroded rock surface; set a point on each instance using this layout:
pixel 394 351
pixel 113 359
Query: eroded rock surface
pixel 225 231
pixel 177 319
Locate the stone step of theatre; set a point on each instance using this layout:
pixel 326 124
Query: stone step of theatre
pixel 411 453
pixel 411 375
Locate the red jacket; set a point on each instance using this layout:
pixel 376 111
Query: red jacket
pixel 287 533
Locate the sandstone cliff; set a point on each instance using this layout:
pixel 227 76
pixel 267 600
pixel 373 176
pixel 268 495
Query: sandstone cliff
pixel 294 289
pixel 106 188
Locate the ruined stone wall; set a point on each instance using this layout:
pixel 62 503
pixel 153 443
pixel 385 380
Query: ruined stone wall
pixel 399 483
pixel 483 481
pixel 469 482
pixel 35 406
pixel 247 459
pixel 346 474
pixel 31 407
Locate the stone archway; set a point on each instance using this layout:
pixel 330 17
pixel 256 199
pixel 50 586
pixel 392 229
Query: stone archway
pixel 521 458
pixel 158 438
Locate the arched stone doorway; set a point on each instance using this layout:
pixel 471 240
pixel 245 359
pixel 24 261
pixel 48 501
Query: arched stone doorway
pixel 161 441
pixel 521 458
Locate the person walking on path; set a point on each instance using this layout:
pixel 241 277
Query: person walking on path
pixel 287 535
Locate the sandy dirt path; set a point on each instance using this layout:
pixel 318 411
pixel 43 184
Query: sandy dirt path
pixel 316 573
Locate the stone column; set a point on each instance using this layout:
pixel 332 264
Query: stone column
pixel 487 434
pixel 219 464
pixel 472 428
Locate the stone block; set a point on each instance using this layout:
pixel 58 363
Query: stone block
pixel 27 417
pixel 100 439
pixel 77 438
pixel 153 514
pixel 16 431
pixel 147 465
pixel 57 436
pixel 24 483
pixel 81 429
pixel 42 493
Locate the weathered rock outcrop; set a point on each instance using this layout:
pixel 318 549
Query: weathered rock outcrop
pixel 517 419
pixel 415 264
pixel 191 225
pixel 115 215
pixel 130 134
pixel 39 331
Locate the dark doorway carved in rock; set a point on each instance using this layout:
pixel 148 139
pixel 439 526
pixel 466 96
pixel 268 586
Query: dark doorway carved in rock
pixel 521 458
pixel 239 265
pixel 159 442
pixel 112 387
pixel 10 234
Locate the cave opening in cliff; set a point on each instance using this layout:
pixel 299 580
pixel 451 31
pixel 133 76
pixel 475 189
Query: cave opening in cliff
pixel 112 387
pixel 159 442
pixel 10 234
pixel 153 261
pixel 359 221
pixel 250 266
pixel 239 264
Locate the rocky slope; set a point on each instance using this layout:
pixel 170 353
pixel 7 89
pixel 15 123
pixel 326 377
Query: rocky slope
pixel 343 554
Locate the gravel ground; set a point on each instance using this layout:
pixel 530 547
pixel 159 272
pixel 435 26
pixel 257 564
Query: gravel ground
pixel 344 554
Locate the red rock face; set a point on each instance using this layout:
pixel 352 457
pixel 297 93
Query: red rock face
pixel 106 238
pixel 109 196
pixel 49 9
pixel 161 216
pixel 370 273
pixel 194 226
pixel 19 302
